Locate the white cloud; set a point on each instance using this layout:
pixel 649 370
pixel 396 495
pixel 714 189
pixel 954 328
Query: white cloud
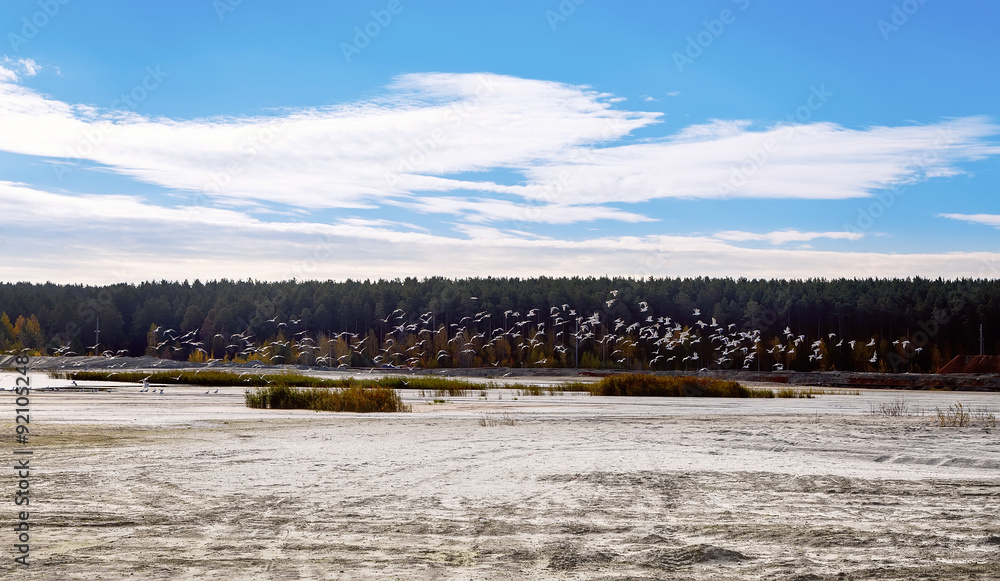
pixel 100 239
pixel 674 94
pixel 431 127
pixel 493 210
pixel 348 156
pixel 727 160
pixel 785 236
pixel 429 146
pixel 985 219
pixel 11 69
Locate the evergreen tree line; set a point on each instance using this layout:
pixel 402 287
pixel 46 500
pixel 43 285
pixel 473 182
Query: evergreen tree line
pixel 693 323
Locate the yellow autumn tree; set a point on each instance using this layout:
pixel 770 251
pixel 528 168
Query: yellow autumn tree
pixel 8 337
pixel 29 333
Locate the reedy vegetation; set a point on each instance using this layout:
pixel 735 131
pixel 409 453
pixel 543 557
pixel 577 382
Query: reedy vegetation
pixel 357 399
pixel 285 386
pixel 643 385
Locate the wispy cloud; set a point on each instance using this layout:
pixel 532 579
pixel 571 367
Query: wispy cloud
pixel 727 159
pixel 101 239
pixel 489 154
pixel 12 69
pixel 481 210
pixel 984 219
pixel 430 134
pixel 785 236
pixel 430 126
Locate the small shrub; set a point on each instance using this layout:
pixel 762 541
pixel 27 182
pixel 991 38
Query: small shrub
pixel 643 385
pixel 355 399
pixel 984 416
pixel 896 408
pixel 955 416
pixel 489 420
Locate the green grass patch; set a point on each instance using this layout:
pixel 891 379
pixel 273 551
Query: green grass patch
pixel 643 385
pixel 357 399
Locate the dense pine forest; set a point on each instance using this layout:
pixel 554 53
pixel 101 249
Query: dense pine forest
pixel 687 324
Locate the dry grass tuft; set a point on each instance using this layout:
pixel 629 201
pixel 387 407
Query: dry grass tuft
pixel 491 420
pixel 959 416
pixel 812 392
pixel 357 399
pixel 788 392
pixel 643 385
pixel 896 408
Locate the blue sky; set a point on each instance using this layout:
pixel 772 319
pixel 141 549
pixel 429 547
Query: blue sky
pixel 275 140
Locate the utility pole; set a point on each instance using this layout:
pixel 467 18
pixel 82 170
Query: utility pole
pixel 97 335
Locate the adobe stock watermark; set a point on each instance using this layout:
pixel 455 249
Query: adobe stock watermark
pixel 22 459
pixel 869 215
pixel 363 35
pixel 712 30
pixel 563 11
pixel 250 148
pixel 928 329
pixel 554 191
pixel 760 155
pixel 31 26
pixel 454 117
pixel 94 134
pixel 899 16
pixel 87 311
pixel 224 7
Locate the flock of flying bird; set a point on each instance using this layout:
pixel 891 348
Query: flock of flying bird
pixel 557 337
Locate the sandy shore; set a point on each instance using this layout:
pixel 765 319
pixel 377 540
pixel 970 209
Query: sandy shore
pixel 188 485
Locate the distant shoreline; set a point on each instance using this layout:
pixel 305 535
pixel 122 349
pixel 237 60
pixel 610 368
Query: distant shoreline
pixel 833 379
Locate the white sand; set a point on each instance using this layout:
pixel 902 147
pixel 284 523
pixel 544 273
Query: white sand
pixel 186 485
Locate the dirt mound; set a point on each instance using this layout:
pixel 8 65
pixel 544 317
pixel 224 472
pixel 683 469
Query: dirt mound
pixel 673 559
pixel 972 364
